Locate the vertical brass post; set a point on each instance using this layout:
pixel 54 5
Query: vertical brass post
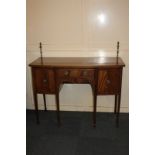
pixel 117 51
pixel 41 53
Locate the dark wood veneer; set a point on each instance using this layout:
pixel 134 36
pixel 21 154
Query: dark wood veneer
pixel 109 81
pixel 104 74
pixel 43 80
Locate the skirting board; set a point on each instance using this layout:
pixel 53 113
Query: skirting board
pixel 79 108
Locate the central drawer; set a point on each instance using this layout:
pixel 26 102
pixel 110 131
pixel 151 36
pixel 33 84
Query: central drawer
pixel 75 75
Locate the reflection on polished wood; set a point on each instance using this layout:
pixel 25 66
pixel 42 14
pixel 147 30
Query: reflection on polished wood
pixel 78 62
pixel 104 74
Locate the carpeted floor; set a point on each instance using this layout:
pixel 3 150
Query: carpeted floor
pixel 76 136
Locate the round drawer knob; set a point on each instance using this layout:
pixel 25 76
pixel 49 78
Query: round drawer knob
pixel 45 80
pixel 108 81
pixel 85 73
pixel 66 73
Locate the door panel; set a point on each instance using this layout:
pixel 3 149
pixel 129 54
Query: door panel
pixel 109 81
pixel 44 80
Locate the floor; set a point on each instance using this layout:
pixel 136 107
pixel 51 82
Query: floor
pixel 76 136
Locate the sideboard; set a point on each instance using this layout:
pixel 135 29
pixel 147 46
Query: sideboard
pixel 104 74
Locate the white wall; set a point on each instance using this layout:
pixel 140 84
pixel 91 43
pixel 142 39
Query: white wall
pixel 72 28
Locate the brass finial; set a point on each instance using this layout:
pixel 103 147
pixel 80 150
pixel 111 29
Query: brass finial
pixel 41 53
pixel 117 51
pixel 40 46
pixel 117 48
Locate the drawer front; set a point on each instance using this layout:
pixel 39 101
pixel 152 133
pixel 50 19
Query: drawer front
pixel 43 80
pixel 75 75
pixel 109 81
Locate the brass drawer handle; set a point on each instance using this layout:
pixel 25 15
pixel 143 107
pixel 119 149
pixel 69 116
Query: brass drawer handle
pixel 106 72
pixel 85 73
pixel 44 80
pixel 108 81
pixel 66 73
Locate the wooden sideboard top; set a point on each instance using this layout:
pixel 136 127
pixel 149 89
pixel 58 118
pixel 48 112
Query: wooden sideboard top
pixel 77 62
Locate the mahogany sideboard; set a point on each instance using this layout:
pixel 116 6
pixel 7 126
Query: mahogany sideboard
pixel 104 74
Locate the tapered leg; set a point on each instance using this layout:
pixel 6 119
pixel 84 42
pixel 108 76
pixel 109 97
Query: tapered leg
pixel 44 97
pixel 58 110
pixel 118 110
pixel 115 108
pixel 36 107
pixel 94 112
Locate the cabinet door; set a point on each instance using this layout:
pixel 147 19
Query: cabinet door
pixel 109 81
pixel 43 80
